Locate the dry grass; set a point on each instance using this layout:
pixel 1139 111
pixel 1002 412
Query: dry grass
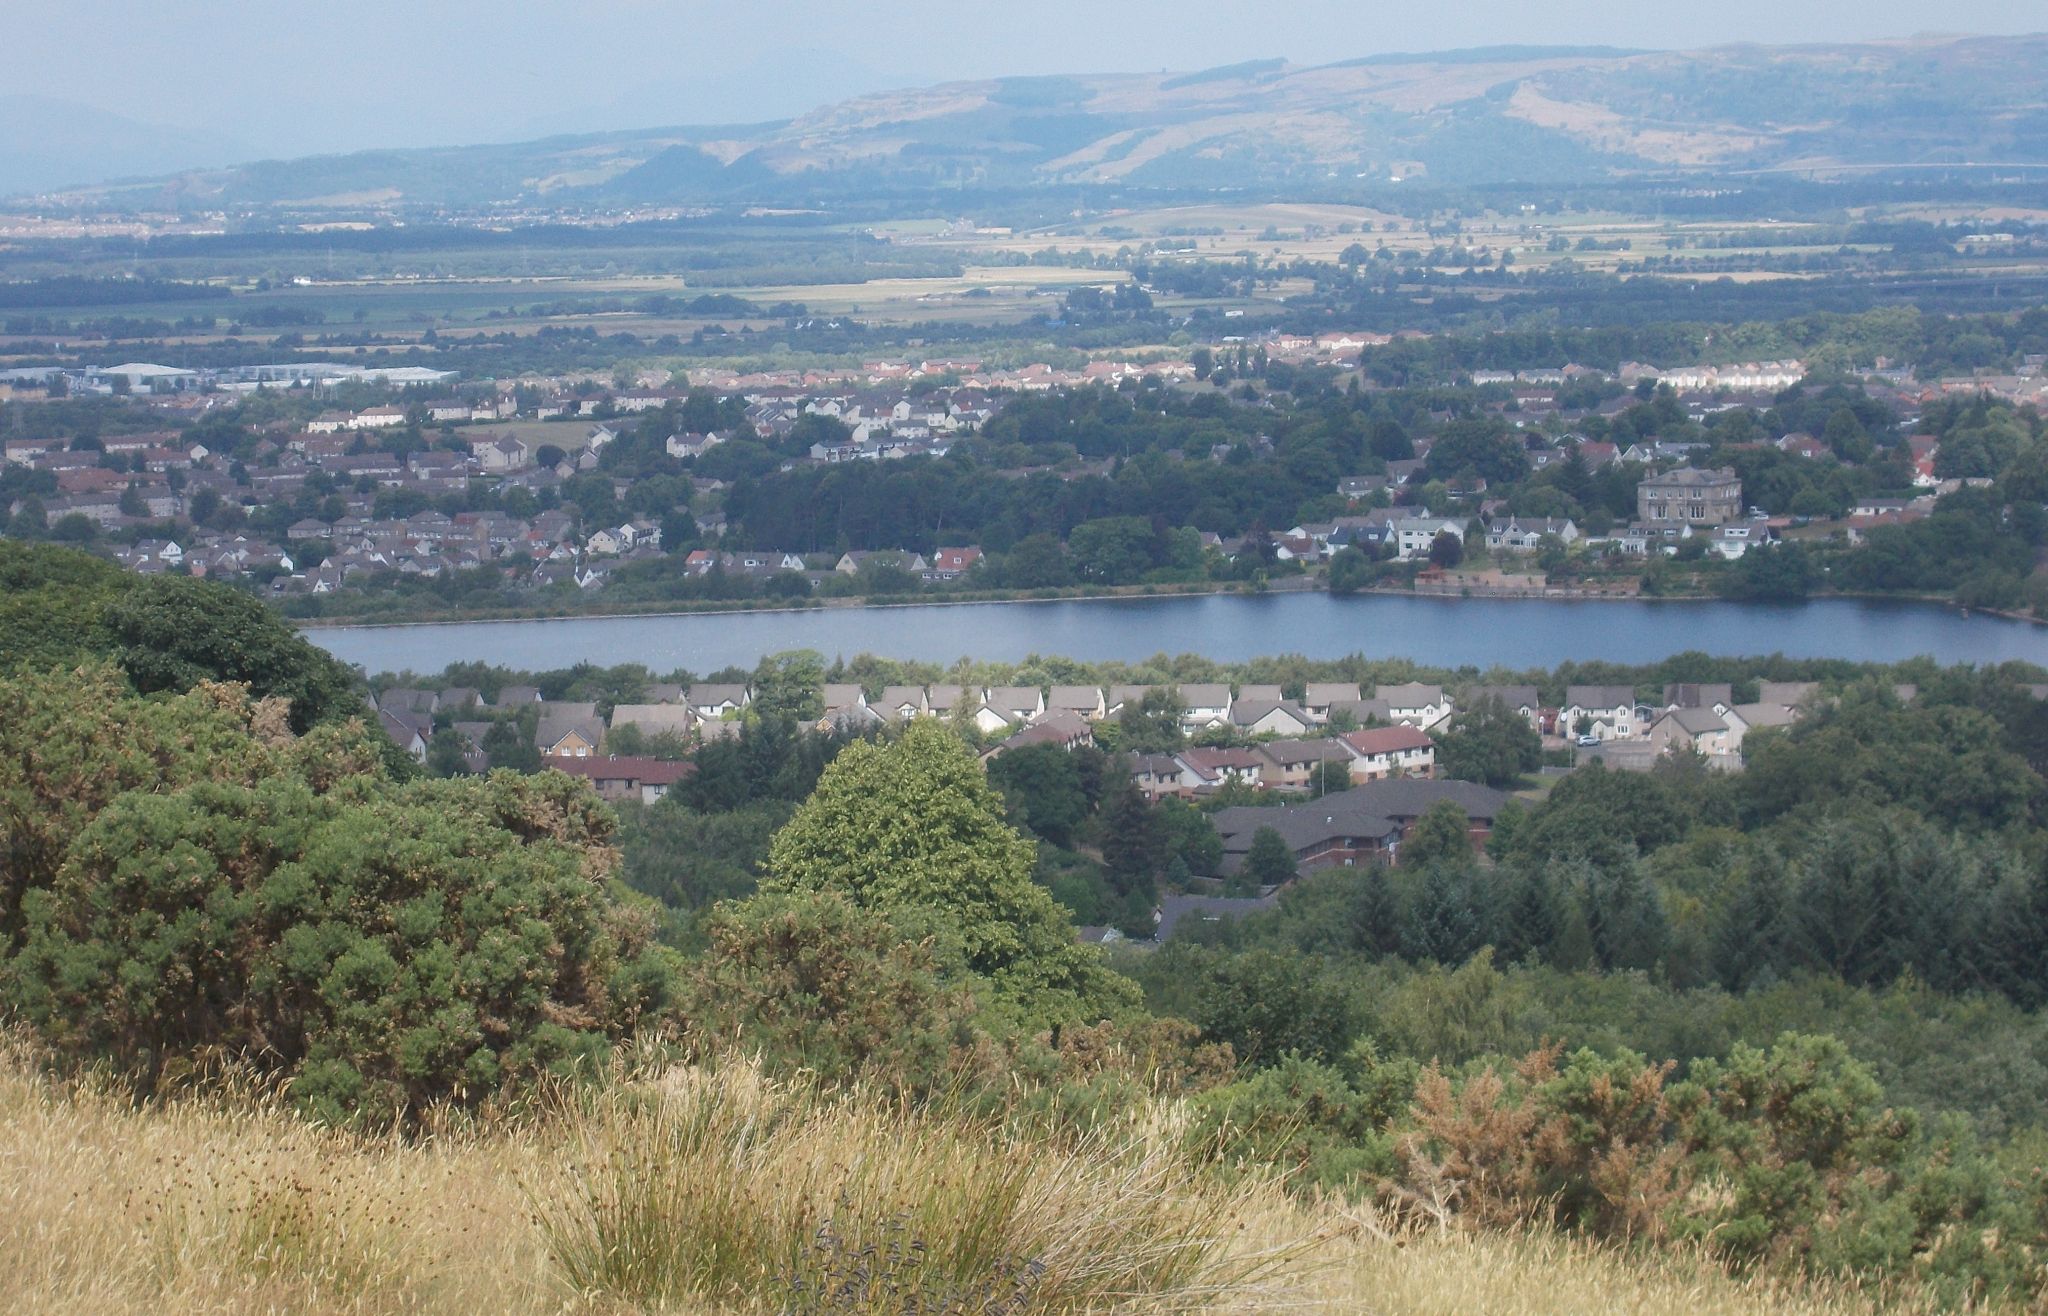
pixel 726 1187
pixel 1538 1274
pixel 719 1192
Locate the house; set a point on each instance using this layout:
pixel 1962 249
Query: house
pixel 655 719
pixel 1295 762
pixel 844 707
pixel 1606 711
pixel 569 731
pixel 405 699
pixel 1519 536
pixel 1270 717
pixel 458 699
pixel 1522 699
pixel 518 696
pixel 1382 753
pixel 1363 825
pixel 1692 730
pixel 952 563
pixel 1058 727
pixel 900 703
pixel 840 698
pixel 1716 696
pixel 1743 719
pixel 1083 701
pixel 943 700
pixel 1204 706
pixel 618 778
pixel 409 731
pixel 1787 694
pixel 1413 535
pixel 897 559
pixel 1731 541
pixel 1008 706
pixel 692 445
pixel 1176 911
pixel 1210 768
pixel 166 551
pixel 1159 775
pixel 499 455
pixel 1321 696
pixel 1417 704
pixel 1124 696
pixel 378 418
pixel 717 703
pixel 1690 497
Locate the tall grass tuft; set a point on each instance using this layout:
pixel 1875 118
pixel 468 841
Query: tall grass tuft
pixel 724 1187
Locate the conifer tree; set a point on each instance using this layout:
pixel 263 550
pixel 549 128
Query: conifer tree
pixel 1441 926
pixel 1377 920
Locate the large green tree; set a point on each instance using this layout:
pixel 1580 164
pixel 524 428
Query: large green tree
pixel 1491 743
pixel 170 632
pixel 915 825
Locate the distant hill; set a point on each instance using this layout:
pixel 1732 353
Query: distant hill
pixel 1505 114
pixel 47 144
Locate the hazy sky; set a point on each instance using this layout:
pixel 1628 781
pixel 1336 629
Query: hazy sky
pixel 281 79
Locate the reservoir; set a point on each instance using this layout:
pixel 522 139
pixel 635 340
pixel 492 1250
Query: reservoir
pixel 1439 632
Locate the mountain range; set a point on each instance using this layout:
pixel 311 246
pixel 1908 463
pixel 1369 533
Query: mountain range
pixel 1502 114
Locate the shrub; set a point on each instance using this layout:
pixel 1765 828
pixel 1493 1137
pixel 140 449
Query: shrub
pixel 197 886
pixel 811 981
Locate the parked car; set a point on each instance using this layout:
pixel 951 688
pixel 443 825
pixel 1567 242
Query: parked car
pixel 1589 741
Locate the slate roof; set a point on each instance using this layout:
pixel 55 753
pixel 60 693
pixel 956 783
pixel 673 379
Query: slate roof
pixel 1175 910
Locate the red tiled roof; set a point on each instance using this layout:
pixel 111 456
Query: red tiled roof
pixel 1387 740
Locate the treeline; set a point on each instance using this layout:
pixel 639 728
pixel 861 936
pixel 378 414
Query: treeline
pixel 80 291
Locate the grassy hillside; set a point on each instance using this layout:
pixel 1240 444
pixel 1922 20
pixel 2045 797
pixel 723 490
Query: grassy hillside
pixel 1473 117
pixel 701 1191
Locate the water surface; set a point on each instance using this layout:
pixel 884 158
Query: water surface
pixel 1519 633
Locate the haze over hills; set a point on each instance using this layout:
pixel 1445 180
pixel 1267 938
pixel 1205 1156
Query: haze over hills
pixel 1535 115
pixel 46 143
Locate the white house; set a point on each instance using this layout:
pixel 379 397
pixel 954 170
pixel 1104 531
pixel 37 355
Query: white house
pixel 1733 540
pixel 1415 704
pixel 378 418
pixel 1204 706
pixel 1519 536
pixel 1413 535
pixel 716 702
pixel 1008 706
pixel 1609 709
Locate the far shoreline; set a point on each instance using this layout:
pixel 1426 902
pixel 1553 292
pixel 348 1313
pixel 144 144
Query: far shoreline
pixel 1125 594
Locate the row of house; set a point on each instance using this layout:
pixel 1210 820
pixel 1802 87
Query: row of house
pixel 1292 765
pixel 1253 709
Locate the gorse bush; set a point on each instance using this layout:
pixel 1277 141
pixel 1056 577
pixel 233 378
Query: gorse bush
pixel 813 982
pixel 192 882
